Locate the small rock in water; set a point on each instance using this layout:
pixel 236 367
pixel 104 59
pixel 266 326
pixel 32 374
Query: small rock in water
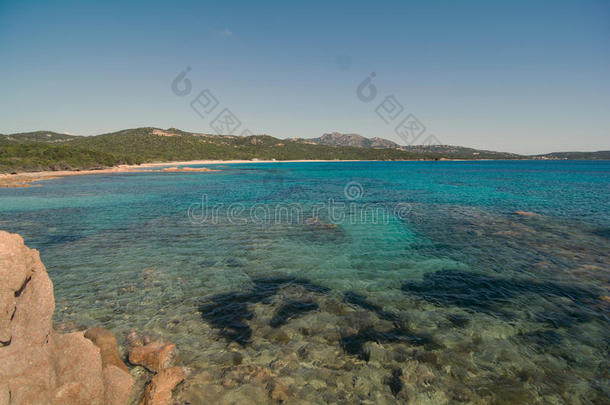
pixel 155 356
pixel 159 390
pixel 106 341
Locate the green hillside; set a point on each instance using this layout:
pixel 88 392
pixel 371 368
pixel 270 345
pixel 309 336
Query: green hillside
pixel 37 156
pixel 46 150
pixel 143 145
pixel 40 136
pixel 598 155
pixel 36 151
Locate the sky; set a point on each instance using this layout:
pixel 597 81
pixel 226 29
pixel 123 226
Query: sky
pixel 516 76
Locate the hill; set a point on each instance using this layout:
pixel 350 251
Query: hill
pixel 440 151
pixel 446 151
pixel 339 139
pixel 599 155
pixel 36 151
pixel 153 144
pixel 38 156
pixel 47 150
pixel 460 152
pixel 39 136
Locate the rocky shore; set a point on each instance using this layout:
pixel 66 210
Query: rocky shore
pixel 42 366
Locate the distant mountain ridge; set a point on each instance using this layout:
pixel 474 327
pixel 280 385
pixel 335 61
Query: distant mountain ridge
pixel 448 151
pixel 339 139
pixel 48 150
pixel 599 155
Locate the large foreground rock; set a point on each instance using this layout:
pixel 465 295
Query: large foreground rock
pixel 38 365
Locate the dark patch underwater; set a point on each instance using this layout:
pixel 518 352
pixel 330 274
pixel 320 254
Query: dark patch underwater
pixel 228 312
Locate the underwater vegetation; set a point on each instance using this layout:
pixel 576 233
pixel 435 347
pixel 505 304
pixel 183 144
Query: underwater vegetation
pixel 491 294
pixel 228 312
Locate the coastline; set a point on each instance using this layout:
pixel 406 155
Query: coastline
pixel 25 179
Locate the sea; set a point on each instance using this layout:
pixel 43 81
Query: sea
pixel 342 282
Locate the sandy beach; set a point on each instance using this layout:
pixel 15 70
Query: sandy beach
pixel 28 179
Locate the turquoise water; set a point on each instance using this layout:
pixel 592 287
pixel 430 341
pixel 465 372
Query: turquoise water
pixel 364 282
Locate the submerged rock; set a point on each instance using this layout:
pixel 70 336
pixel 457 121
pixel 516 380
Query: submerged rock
pixel 39 365
pixel 246 373
pixel 317 222
pixel 526 213
pixel 231 358
pixel 134 339
pixel 278 336
pixel 374 352
pixel 278 391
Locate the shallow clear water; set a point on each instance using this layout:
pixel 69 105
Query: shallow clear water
pixel 367 282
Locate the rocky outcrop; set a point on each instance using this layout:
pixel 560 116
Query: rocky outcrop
pixel 39 365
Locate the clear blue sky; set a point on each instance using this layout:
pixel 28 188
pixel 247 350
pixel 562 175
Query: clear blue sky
pixel 519 76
